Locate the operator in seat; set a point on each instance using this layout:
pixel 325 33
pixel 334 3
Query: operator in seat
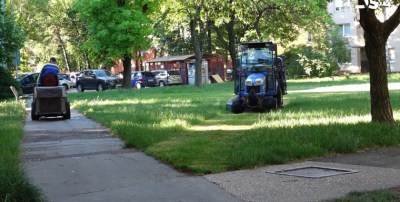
pixel 50 68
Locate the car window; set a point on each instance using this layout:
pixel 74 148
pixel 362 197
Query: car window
pixel 102 73
pixel 147 74
pixel 173 73
pixel 91 73
pixel 30 78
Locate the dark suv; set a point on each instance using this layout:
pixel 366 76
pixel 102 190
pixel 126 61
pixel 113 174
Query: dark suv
pixel 97 79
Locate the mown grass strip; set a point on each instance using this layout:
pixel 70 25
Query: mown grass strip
pixel 14 184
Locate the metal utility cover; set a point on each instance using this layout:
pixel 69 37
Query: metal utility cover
pixel 313 171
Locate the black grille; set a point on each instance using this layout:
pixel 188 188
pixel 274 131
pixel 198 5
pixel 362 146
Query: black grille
pixel 255 88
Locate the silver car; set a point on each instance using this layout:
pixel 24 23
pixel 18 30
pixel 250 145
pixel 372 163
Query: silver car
pixel 64 82
pixel 167 77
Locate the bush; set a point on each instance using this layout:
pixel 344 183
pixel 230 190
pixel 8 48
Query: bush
pixel 6 81
pixel 305 60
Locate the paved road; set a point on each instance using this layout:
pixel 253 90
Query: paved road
pixel 79 160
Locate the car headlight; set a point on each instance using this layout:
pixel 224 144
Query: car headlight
pixel 258 82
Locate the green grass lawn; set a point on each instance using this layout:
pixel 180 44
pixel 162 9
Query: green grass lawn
pixel 305 84
pixel 14 185
pixel 190 128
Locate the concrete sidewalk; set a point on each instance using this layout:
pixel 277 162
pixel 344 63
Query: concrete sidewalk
pixel 79 160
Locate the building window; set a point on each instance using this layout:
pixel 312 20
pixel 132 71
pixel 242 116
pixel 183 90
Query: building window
pixel 344 30
pixel 342 5
pixel 392 56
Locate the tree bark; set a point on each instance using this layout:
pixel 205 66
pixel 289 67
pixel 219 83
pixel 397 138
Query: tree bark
pixel 64 48
pixel 126 82
pixel 376 34
pixel 197 52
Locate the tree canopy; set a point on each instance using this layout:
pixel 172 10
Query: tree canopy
pixel 116 30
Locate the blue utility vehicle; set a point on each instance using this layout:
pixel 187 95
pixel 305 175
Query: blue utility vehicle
pixel 260 78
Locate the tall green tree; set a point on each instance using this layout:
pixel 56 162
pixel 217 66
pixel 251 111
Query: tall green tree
pixel 11 37
pixel 193 14
pixel 376 34
pixel 117 29
pixel 260 20
pixel 52 30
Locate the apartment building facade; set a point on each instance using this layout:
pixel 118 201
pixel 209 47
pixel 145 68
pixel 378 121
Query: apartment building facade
pixel 346 17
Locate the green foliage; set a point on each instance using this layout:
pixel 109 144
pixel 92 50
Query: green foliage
pixel 117 31
pixel 5 82
pixel 12 38
pixel 318 60
pixel 14 183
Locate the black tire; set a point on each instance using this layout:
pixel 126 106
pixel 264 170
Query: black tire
pixel 237 107
pixel 66 86
pixel 279 97
pixel 138 85
pixel 79 88
pixel 68 111
pixel 100 87
pixel 162 84
pixel 33 111
pixel 274 104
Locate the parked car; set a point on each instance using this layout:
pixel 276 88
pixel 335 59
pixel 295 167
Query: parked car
pixel 64 82
pixel 65 76
pixel 168 77
pixel 97 79
pixel 72 77
pixel 143 79
pixel 28 82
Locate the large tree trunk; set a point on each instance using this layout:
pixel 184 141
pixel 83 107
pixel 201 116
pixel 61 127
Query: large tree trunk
pixel 197 52
pixel 126 82
pixel 381 109
pixel 376 34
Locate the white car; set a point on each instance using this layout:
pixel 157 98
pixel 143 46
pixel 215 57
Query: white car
pixel 72 77
pixel 64 82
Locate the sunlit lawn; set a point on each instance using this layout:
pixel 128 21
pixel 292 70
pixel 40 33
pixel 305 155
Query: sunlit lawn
pixel 191 129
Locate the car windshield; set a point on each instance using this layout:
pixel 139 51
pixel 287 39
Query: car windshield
pixel 21 76
pixel 102 73
pixel 256 59
pixel 147 74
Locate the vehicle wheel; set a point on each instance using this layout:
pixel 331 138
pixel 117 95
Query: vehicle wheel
pixel 80 88
pixel 100 87
pixel 162 84
pixel 274 104
pixel 33 111
pixel 237 107
pixel 138 85
pixel 279 97
pixel 66 86
pixel 68 111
